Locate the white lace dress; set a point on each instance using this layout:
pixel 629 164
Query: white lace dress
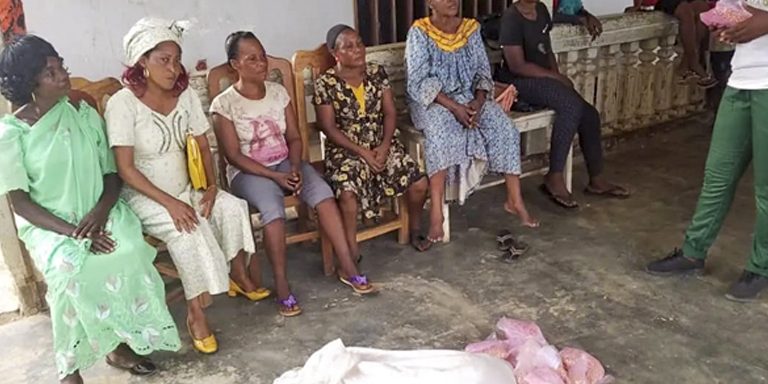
pixel 158 142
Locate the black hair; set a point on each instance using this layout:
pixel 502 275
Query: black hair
pixel 21 62
pixel 231 45
pixel 333 35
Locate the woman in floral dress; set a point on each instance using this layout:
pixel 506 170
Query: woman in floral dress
pixel 365 162
pixel 467 135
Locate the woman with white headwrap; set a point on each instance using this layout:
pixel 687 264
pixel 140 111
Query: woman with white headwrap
pixel 147 123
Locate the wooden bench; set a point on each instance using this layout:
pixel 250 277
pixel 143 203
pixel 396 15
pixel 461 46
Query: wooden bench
pixel 392 58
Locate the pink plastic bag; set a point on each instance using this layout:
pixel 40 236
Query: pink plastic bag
pixel 533 357
pixel 517 332
pixel 582 367
pixel 725 14
pixel 495 348
pixel 541 375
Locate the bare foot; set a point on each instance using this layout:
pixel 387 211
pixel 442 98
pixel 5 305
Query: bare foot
pixel 520 211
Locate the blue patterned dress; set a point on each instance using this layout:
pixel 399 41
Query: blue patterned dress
pixel 457 65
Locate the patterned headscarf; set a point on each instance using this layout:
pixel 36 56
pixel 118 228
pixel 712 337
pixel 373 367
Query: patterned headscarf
pixel 147 33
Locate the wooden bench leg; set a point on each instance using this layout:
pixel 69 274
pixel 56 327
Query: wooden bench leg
pixel 569 171
pixel 404 234
pixel 446 223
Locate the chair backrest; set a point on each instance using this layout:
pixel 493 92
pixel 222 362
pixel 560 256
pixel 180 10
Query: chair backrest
pixel 100 90
pixel 308 66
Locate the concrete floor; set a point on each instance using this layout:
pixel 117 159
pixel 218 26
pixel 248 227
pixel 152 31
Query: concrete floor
pixel 582 282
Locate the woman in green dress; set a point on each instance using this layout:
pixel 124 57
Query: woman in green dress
pixel 105 297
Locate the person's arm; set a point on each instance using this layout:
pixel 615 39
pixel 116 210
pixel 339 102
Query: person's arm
pixel 390 118
pixel 748 30
pixel 37 215
pixel 293 137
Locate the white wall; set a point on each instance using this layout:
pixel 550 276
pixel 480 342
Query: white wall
pixel 89 33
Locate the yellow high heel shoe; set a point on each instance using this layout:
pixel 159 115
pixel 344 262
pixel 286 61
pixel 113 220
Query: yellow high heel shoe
pixel 207 345
pixel 259 294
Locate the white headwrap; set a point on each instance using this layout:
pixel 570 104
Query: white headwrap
pixel 147 33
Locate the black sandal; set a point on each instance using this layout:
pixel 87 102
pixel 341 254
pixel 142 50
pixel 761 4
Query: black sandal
pixel 143 368
pixel 507 243
pixel 423 243
pixel 614 192
pixel 559 200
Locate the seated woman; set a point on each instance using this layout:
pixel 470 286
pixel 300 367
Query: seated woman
pixel 258 133
pixel 60 175
pixel 147 123
pixel 531 67
pixel 365 162
pixel 449 78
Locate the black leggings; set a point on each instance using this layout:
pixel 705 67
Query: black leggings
pixel 572 114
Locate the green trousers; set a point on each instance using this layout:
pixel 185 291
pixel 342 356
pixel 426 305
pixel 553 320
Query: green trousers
pixel 740 136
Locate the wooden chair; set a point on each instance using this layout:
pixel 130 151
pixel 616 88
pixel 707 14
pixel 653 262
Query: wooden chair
pixel 280 72
pixel 100 92
pixel 308 66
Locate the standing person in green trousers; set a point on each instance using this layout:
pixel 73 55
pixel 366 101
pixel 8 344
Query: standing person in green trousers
pixel 740 136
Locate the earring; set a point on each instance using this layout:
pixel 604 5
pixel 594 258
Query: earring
pixel 34 98
pixel 146 73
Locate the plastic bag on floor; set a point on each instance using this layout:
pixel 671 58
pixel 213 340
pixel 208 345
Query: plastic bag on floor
pixel 337 364
pixel 517 332
pixel 541 375
pixel 495 348
pixel 534 357
pixel 583 368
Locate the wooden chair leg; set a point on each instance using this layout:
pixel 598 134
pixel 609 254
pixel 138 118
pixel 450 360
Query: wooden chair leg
pixel 329 267
pixel 405 224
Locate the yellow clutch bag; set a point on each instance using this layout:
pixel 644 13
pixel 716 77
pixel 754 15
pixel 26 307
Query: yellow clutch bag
pixel 195 164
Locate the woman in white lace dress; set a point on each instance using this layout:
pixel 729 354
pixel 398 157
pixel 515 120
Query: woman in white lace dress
pixel 147 124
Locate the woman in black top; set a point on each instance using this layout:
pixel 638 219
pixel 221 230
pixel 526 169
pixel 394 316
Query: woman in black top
pixel 531 67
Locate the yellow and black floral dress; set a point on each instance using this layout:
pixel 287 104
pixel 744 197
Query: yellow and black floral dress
pixel 362 121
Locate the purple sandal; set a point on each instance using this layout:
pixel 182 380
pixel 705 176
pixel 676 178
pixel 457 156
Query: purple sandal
pixel 289 307
pixel 359 284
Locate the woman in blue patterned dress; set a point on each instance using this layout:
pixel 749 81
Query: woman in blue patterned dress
pixel 467 136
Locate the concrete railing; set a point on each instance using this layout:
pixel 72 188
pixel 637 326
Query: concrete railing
pixel 629 73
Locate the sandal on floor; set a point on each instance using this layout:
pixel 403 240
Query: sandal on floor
pixel 687 77
pixel 559 200
pixel 423 243
pixel 507 243
pixel 509 257
pixel 615 192
pixel 288 307
pixel 143 368
pixel 707 82
pixel 359 284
